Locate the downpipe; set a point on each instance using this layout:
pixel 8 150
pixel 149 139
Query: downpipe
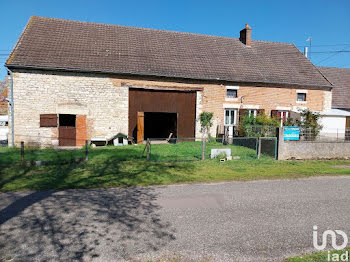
pixel 12 110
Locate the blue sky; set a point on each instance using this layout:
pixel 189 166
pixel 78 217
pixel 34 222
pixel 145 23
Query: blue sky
pixel 327 22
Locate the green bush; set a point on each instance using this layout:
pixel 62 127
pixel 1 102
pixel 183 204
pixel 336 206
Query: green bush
pixel 261 125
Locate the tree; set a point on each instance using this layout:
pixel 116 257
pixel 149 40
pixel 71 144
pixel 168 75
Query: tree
pixel 206 120
pixel 206 123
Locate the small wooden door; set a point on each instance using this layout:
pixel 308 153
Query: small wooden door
pixel 140 127
pixel 67 136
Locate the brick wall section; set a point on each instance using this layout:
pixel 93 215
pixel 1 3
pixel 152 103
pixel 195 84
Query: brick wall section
pixel 104 102
pixel 268 98
pixel 81 134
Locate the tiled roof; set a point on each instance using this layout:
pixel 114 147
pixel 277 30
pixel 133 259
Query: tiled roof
pixel 71 45
pixel 340 78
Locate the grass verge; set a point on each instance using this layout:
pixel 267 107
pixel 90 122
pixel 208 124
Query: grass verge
pixel 320 256
pixel 123 166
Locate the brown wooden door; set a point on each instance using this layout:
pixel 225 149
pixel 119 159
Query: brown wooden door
pixel 67 136
pixel 140 127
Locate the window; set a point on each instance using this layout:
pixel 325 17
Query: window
pixel 231 93
pixel 283 115
pixel 301 97
pixel 230 116
pixel 252 112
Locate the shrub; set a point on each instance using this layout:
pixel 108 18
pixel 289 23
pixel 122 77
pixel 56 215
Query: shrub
pixel 309 122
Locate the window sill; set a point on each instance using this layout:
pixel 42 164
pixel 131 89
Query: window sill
pixel 301 102
pixel 231 99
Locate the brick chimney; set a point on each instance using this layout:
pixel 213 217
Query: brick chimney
pixel 245 36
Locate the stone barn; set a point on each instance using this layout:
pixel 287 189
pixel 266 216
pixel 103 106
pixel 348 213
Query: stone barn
pixel 76 81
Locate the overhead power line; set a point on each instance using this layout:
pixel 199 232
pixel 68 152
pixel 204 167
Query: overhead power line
pixel 334 54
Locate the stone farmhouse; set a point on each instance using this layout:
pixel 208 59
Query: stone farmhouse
pixel 75 81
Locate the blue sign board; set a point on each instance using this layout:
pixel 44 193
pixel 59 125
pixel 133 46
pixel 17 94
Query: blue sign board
pixel 291 133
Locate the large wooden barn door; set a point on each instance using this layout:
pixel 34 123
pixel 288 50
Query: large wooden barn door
pixel 140 127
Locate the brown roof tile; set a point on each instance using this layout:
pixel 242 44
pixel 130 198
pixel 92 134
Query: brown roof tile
pixel 340 78
pixel 73 45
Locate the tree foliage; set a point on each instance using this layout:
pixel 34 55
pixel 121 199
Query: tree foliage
pixel 206 120
pixel 310 123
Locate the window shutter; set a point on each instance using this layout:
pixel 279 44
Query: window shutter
pixel 274 113
pixel 48 120
pixel 242 113
pixel 261 111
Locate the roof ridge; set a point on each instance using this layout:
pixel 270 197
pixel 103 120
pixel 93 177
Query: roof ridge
pixel 63 44
pixel 155 29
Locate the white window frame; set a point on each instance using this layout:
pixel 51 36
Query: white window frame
pixel 231 98
pixel 254 111
pixel 282 115
pixel 232 111
pixel 301 101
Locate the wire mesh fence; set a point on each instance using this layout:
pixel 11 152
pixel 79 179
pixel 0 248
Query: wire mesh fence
pixel 191 149
pixel 325 135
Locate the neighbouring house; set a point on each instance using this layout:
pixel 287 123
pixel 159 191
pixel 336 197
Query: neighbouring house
pixel 3 112
pixel 336 122
pixel 75 81
pixel 3 96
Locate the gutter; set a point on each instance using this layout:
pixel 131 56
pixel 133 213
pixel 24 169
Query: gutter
pixel 296 85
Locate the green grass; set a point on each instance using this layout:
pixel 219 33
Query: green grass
pixel 123 166
pixel 316 257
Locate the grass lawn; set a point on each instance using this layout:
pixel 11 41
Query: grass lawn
pixel 124 166
pixel 317 257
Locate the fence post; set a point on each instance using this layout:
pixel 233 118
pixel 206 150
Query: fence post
pixel 147 145
pixel 259 147
pixel 22 152
pixel 86 151
pixel 203 148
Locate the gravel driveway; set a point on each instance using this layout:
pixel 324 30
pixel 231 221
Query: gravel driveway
pixel 233 221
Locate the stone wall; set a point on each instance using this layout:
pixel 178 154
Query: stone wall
pixel 104 104
pixel 312 150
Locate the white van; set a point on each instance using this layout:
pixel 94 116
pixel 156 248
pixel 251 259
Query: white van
pixel 4 129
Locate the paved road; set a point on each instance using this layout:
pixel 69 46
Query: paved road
pixel 235 221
